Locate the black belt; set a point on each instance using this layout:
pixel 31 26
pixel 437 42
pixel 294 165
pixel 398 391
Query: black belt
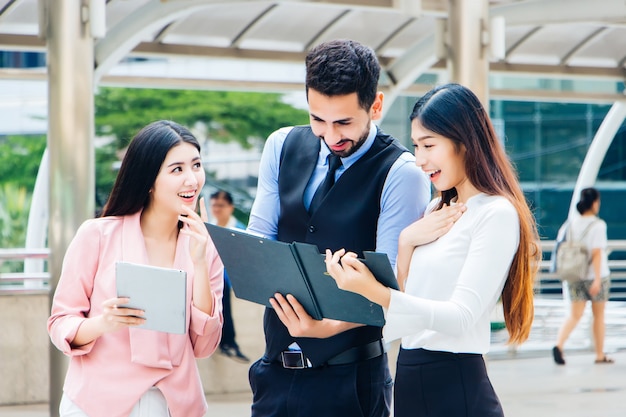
pixel 297 359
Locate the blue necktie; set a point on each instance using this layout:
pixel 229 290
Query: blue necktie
pixel 334 162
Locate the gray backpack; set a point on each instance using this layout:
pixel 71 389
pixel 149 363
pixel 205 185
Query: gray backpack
pixel 572 256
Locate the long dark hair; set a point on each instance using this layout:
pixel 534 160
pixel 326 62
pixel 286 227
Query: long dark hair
pixel 454 112
pixel 141 165
pixel 588 196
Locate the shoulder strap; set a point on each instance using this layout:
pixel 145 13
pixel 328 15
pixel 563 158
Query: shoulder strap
pixel 587 229
pixel 568 230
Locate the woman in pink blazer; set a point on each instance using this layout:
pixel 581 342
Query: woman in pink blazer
pixel 115 368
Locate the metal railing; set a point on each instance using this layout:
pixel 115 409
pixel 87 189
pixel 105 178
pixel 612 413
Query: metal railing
pixel 24 282
pixel 547 283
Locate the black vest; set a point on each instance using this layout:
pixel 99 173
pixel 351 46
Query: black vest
pixel 347 218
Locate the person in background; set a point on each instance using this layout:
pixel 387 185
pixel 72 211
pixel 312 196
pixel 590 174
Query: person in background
pixel 222 209
pixel 477 243
pixel 338 182
pixel 596 286
pixel 116 369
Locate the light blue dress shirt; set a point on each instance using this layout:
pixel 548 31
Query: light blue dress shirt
pixel 405 194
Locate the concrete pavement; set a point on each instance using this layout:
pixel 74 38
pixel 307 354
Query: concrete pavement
pixel 537 387
pixel 529 383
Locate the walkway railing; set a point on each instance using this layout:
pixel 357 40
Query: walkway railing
pixel 547 283
pixel 24 282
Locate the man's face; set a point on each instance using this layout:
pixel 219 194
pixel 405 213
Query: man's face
pixel 221 210
pixel 340 121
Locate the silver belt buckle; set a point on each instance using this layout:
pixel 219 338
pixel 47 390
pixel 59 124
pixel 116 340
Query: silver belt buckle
pixel 294 360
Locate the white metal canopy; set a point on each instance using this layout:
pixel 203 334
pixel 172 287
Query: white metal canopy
pixel 566 37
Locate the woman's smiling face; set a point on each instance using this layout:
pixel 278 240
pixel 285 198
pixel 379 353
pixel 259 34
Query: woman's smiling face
pixel 180 179
pixel 438 157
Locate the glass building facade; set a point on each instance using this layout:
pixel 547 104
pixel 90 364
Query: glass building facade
pixel 547 143
pixel 17 59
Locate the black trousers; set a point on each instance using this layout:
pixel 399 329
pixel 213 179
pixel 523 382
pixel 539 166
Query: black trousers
pixel 443 384
pixel 228 330
pixel 359 389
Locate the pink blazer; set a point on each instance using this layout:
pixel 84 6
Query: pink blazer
pixel 108 376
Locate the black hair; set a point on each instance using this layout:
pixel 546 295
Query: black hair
pixel 588 196
pixel 222 195
pixel 454 112
pixel 141 165
pixel 341 67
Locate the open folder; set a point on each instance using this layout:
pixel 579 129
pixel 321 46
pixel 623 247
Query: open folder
pixel 160 292
pixel 258 268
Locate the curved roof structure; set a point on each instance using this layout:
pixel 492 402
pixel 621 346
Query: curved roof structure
pixel 236 44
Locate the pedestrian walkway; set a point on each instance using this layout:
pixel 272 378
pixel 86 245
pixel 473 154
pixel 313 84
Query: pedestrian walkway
pixel 529 383
pixel 550 313
pixel 525 378
pixel 539 388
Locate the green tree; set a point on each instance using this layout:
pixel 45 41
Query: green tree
pixel 14 204
pixel 229 116
pixel 20 156
pixel 246 118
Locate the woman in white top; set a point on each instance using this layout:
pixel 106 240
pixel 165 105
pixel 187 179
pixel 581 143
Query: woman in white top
pixel 476 244
pixel 595 287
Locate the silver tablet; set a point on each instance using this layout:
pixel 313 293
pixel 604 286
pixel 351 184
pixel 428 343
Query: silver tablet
pixel 160 292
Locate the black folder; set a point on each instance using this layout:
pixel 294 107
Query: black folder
pixel 258 268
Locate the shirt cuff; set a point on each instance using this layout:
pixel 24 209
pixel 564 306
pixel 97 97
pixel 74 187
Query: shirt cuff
pixel 202 323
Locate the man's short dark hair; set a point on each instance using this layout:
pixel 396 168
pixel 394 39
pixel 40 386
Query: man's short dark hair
pixel 222 195
pixel 341 67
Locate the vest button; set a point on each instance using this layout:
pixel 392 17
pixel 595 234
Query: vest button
pixel 312 229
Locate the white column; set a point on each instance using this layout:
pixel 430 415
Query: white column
pixel 597 151
pixel 37 227
pixel 70 143
pixel 468 60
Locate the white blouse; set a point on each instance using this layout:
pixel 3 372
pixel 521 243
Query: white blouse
pixel 454 282
pixel 596 238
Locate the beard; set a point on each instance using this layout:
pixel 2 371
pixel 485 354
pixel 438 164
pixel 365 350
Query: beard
pixel 356 145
